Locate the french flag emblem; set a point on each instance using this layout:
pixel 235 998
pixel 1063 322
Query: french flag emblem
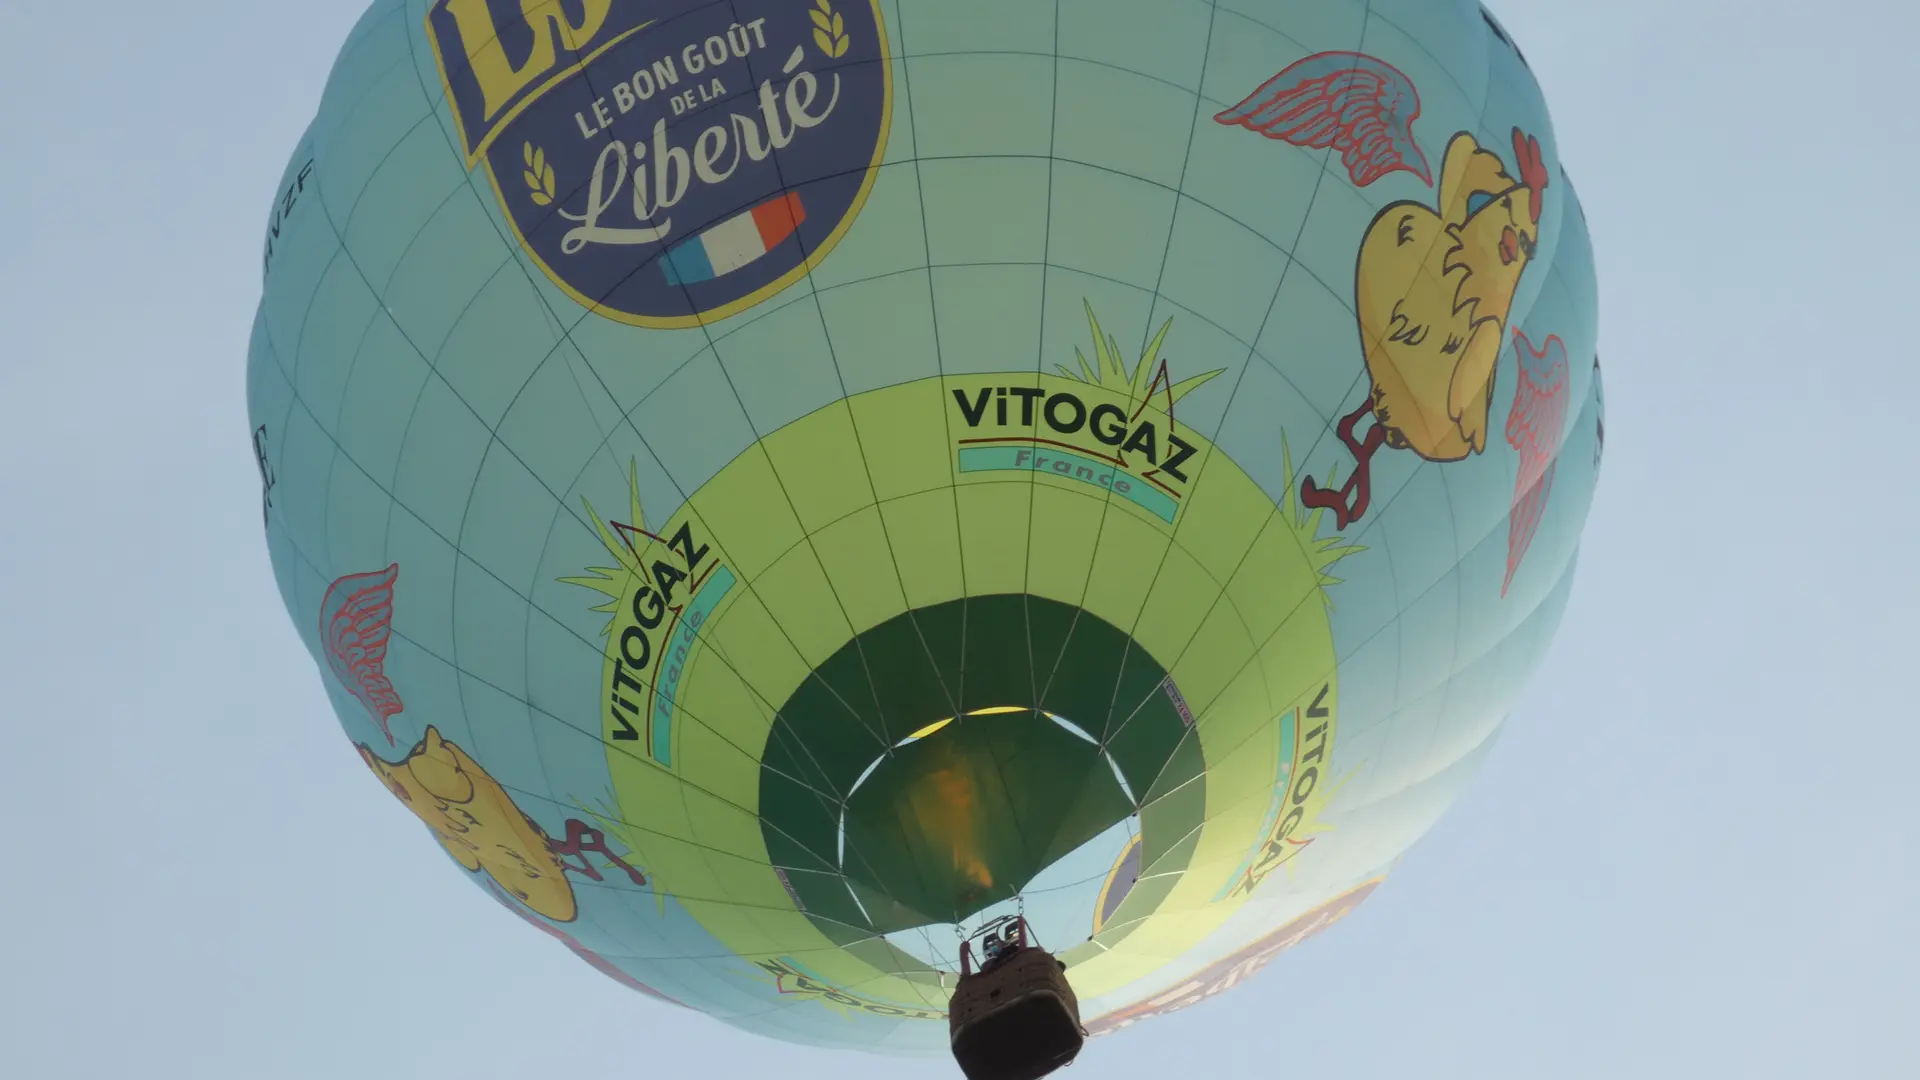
pixel 734 242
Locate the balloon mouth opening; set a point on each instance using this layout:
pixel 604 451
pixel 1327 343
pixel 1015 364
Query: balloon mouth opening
pixel 939 762
pixel 942 801
pixel 1011 712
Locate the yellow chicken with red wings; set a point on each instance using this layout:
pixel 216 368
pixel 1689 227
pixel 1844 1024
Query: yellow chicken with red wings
pixel 1433 288
pixel 1434 284
pixel 475 819
pixel 481 826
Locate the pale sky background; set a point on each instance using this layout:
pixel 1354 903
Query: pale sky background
pixel 1693 855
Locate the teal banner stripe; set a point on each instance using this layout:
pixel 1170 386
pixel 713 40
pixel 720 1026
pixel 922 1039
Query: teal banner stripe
pixel 684 638
pixel 1100 474
pixel 1289 731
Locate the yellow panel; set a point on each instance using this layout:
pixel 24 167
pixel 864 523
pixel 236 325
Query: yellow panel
pixel 820 464
pixel 926 542
pixel 994 519
pixel 904 431
pixel 859 562
pixel 678 869
pixel 1182 592
pixel 649 796
pixel 753 889
pixel 1124 567
pixel 759 652
pixel 1275 580
pixel 796 592
pixel 1060 546
pixel 745 513
pixel 1161 938
pixel 931 728
pixel 1221 519
pixel 721 732
pixel 736 925
pixel 1298 658
pixel 721 826
pixel 787 930
pixel 1242 772
pixel 1214 655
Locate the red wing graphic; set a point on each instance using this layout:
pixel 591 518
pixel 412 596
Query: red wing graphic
pixel 356 619
pixel 1357 104
pixel 1533 428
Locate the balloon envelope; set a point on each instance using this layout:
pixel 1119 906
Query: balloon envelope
pixel 773 485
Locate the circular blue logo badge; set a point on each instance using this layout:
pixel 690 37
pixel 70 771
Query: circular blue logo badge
pixel 674 162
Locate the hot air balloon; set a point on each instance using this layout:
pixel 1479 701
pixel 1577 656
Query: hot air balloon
pixel 792 493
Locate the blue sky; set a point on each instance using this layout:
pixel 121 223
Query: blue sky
pixel 1692 854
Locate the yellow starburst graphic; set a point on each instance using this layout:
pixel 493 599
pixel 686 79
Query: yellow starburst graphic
pixel 1321 551
pixel 1139 381
pixel 615 582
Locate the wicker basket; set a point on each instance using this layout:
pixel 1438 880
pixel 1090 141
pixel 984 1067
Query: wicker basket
pixel 1016 1019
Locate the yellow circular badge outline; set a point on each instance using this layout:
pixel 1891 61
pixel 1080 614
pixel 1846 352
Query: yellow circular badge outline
pixel 786 280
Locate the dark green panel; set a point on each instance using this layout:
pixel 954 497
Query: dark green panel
pixel 963 818
pixel 831 906
pixel 822 733
pixel 1155 749
pixel 792 815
